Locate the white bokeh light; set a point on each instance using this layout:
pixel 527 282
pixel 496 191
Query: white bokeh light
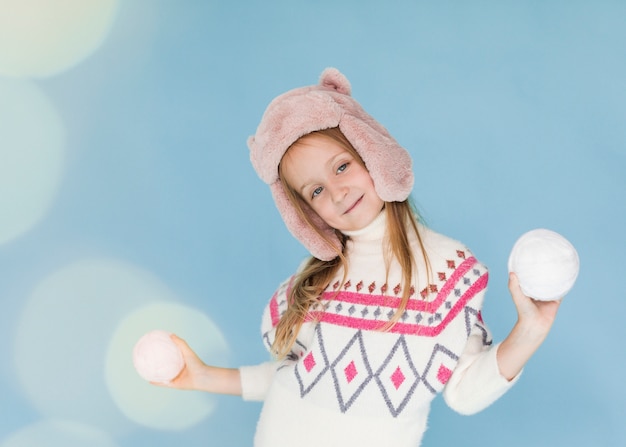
pixel 152 406
pixel 32 154
pixel 56 433
pixel 63 334
pixel 40 38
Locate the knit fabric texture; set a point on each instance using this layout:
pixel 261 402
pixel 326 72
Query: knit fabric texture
pixel 346 382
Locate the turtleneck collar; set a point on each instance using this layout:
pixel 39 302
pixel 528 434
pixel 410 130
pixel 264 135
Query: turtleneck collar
pixel 368 238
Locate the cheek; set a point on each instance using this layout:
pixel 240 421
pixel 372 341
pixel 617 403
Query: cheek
pixel 365 178
pixel 324 210
pixel 321 208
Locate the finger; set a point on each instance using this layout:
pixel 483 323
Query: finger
pixel 514 286
pixel 513 280
pixel 172 383
pixel 189 355
pixel 182 344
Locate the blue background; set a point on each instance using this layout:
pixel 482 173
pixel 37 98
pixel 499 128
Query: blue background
pixel 514 113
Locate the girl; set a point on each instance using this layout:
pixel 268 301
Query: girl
pixel 386 313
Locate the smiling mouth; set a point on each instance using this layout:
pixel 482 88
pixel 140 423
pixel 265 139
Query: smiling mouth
pixel 354 205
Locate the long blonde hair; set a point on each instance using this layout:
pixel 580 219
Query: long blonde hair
pixel 315 276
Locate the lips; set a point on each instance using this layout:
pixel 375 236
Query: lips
pixel 354 205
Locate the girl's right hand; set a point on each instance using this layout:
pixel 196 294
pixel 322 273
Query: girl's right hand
pixel 193 368
pixel 197 375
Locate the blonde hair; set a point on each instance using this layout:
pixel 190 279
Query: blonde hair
pixel 315 276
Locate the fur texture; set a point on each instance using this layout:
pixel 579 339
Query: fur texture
pixel 304 110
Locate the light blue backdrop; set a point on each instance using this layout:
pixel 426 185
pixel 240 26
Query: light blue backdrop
pixel 514 113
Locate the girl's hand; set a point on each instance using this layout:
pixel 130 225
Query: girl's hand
pixel 197 375
pixel 188 377
pixel 534 320
pixel 535 316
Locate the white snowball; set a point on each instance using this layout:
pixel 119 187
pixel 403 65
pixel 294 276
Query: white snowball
pixel 157 358
pixel 546 264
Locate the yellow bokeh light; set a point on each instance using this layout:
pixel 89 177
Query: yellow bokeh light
pixel 152 406
pixel 40 38
pixel 63 333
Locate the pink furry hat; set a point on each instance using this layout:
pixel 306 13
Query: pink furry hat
pixel 304 110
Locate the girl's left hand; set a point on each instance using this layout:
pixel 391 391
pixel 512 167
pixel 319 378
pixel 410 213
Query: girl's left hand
pixel 535 316
pixel 534 320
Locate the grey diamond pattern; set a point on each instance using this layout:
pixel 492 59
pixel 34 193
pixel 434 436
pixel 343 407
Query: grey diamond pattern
pixel 403 374
pixel 397 377
pixel 308 378
pixel 398 362
pixel 353 356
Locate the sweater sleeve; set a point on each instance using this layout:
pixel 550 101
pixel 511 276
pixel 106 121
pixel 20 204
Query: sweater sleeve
pixel 256 380
pixel 476 381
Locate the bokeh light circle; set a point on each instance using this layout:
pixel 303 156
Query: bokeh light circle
pixel 149 405
pixel 32 154
pixel 63 335
pixel 55 433
pixel 40 38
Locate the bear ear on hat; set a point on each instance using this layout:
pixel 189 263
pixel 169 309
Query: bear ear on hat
pixel 333 79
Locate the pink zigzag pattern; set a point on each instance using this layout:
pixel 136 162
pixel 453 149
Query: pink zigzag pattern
pixel 408 328
pixel 392 303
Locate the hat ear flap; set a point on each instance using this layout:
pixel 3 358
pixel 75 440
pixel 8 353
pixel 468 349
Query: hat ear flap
pixel 302 230
pixel 389 164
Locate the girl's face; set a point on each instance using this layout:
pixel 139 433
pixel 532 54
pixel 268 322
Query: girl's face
pixel 329 178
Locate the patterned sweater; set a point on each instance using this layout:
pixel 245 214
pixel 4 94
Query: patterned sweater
pixel 347 383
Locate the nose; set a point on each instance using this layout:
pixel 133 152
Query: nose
pixel 338 192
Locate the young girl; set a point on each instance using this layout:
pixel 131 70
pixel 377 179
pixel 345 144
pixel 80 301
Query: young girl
pixel 385 314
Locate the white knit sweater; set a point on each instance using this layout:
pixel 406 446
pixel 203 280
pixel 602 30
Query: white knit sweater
pixel 346 383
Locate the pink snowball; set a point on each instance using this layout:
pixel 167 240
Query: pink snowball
pixel 157 358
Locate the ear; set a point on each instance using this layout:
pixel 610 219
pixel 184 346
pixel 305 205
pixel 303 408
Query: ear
pixel 333 79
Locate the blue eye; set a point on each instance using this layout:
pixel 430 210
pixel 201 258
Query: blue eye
pixel 343 167
pixel 316 192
